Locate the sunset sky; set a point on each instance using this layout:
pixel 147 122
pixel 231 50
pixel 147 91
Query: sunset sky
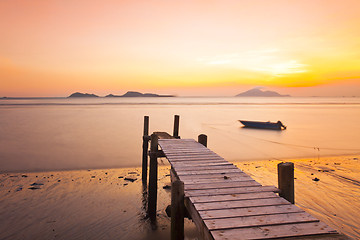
pixel 187 47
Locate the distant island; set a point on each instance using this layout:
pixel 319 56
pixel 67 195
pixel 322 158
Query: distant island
pixel 79 95
pixel 138 94
pixel 128 94
pixel 256 92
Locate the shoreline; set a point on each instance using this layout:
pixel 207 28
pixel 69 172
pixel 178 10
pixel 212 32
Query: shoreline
pixel 165 163
pixel 100 203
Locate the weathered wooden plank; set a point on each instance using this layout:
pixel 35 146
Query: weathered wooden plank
pixel 163 135
pixel 262 220
pixel 184 146
pixel 277 231
pixel 203 157
pixel 180 145
pixel 241 203
pixel 232 197
pixel 194 151
pixel 222 180
pixel 257 221
pixel 201 163
pixel 210 159
pixel 175 140
pixel 250 211
pixel 205 168
pixel 224 191
pixel 236 175
pixel 221 185
pixel 198 172
pixel 199 158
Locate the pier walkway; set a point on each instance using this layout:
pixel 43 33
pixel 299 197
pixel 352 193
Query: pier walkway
pixel 226 203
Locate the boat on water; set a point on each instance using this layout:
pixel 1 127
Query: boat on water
pixel 263 125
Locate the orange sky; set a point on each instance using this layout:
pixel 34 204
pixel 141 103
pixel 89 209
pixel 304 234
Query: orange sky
pixel 204 47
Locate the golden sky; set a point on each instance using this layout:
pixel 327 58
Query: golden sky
pixel 187 47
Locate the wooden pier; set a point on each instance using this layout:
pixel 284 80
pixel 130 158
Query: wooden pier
pixel 223 201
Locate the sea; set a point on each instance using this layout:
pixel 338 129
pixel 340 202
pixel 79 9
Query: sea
pixel 92 133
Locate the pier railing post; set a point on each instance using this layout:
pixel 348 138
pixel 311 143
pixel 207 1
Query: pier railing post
pixel 177 210
pixel 202 138
pixel 176 126
pixel 286 181
pixel 145 150
pixel 153 176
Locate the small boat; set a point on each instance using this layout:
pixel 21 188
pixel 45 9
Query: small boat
pixel 263 125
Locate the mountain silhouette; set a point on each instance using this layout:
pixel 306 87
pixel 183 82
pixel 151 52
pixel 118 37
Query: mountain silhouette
pixel 80 95
pixel 256 92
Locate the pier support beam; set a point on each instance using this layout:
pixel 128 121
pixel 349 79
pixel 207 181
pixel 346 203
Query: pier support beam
pixel 177 210
pixel 286 181
pixel 202 138
pixel 176 126
pixel 153 176
pixel 146 139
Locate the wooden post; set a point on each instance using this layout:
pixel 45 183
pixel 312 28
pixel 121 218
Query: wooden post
pixel 202 138
pixel 145 150
pixel 177 210
pixel 176 126
pixel 153 176
pixel 286 181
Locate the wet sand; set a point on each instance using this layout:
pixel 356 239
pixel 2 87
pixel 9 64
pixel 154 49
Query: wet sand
pixel 102 204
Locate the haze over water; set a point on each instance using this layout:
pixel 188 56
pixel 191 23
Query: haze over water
pixel 51 134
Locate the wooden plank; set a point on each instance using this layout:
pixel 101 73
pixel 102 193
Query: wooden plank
pixel 222 180
pixel 221 185
pixel 224 191
pixel 277 231
pixel 212 159
pixel 163 135
pixel 203 157
pixel 176 142
pixel 182 145
pixel 250 211
pixel 179 140
pixel 233 197
pixel 198 161
pixel 204 168
pixel 198 172
pixel 258 221
pixel 241 203
pixel 195 151
pixel 198 158
pixel 236 175
pixel 201 163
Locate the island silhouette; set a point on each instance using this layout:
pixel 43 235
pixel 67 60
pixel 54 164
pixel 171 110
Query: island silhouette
pixel 127 94
pixel 256 92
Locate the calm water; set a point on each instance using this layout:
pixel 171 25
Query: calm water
pixel 49 134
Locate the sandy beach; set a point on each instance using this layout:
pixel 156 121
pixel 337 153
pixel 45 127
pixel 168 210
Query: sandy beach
pixel 85 204
pixel 108 203
pixel 327 188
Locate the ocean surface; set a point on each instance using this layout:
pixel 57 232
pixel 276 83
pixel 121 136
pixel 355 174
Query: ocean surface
pixel 56 134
